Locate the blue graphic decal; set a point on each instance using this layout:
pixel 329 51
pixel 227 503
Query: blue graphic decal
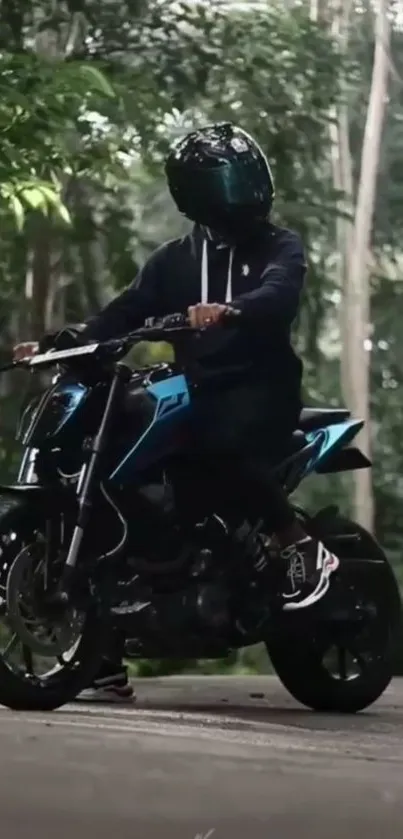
pixel 172 398
pixel 329 438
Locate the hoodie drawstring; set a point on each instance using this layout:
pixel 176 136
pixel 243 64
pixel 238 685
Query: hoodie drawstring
pixel 204 275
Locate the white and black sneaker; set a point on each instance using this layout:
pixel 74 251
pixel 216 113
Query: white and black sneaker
pixel 309 568
pixel 110 688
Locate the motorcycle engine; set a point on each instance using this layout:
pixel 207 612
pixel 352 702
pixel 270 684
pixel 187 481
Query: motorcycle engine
pixel 208 597
pixel 200 608
pixel 196 600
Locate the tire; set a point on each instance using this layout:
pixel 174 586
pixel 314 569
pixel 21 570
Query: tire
pixel 24 692
pixel 298 656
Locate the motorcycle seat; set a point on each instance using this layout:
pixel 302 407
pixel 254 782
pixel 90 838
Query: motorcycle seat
pixel 313 418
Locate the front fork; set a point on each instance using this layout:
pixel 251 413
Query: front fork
pixel 87 480
pixel 27 471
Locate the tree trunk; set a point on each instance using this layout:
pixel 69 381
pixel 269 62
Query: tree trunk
pixel 357 292
pixel 342 170
pixel 44 286
pixel 39 279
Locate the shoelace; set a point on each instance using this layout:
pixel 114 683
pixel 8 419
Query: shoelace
pixel 296 571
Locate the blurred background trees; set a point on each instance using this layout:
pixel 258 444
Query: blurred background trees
pixel 90 96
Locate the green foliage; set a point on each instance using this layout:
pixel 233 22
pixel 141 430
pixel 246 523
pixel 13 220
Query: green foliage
pixel 40 104
pixel 244 663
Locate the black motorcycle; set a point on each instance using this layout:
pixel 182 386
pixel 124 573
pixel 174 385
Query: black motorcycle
pixel 116 526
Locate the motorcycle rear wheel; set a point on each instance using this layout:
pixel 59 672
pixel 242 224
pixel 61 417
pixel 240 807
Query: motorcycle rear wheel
pixel 345 672
pixel 33 640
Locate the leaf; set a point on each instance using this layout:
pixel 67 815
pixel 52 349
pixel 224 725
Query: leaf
pixel 54 199
pixel 63 213
pixel 51 193
pixel 97 80
pixel 34 196
pixel 43 195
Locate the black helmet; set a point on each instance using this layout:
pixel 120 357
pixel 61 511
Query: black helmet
pixel 219 178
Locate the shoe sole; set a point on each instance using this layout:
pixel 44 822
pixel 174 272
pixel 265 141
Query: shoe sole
pixel 107 696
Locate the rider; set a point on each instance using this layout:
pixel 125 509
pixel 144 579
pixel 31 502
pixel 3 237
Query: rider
pixel 235 257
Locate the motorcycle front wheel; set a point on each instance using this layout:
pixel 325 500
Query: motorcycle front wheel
pixel 344 668
pixel 44 662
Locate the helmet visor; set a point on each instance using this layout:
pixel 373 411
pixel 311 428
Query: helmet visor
pixel 198 190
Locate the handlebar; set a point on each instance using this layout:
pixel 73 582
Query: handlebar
pixel 165 329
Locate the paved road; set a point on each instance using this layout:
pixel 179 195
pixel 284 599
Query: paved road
pixel 219 758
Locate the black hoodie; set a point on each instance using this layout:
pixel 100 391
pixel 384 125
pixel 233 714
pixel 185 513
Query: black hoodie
pixel 263 278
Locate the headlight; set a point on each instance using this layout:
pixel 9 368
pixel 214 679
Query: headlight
pixel 47 415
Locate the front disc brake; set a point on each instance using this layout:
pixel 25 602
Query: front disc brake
pixel 43 636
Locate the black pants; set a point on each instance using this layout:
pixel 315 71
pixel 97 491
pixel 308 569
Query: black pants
pixel 250 426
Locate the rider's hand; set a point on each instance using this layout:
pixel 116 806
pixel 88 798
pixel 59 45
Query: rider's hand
pixel 205 314
pixel 27 350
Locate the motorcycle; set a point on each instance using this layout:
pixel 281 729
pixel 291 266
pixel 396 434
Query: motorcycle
pixel 116 527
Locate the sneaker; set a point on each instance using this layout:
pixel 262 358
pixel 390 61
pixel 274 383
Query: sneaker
pixel 113 688
pixel 310 566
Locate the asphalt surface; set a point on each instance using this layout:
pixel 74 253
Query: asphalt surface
pixel 212 758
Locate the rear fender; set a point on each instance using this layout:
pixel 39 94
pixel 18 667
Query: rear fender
pixel 344 460
pixel 351 542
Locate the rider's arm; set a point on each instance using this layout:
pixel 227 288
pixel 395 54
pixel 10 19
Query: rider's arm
pixel 276 300
pixel 130 309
